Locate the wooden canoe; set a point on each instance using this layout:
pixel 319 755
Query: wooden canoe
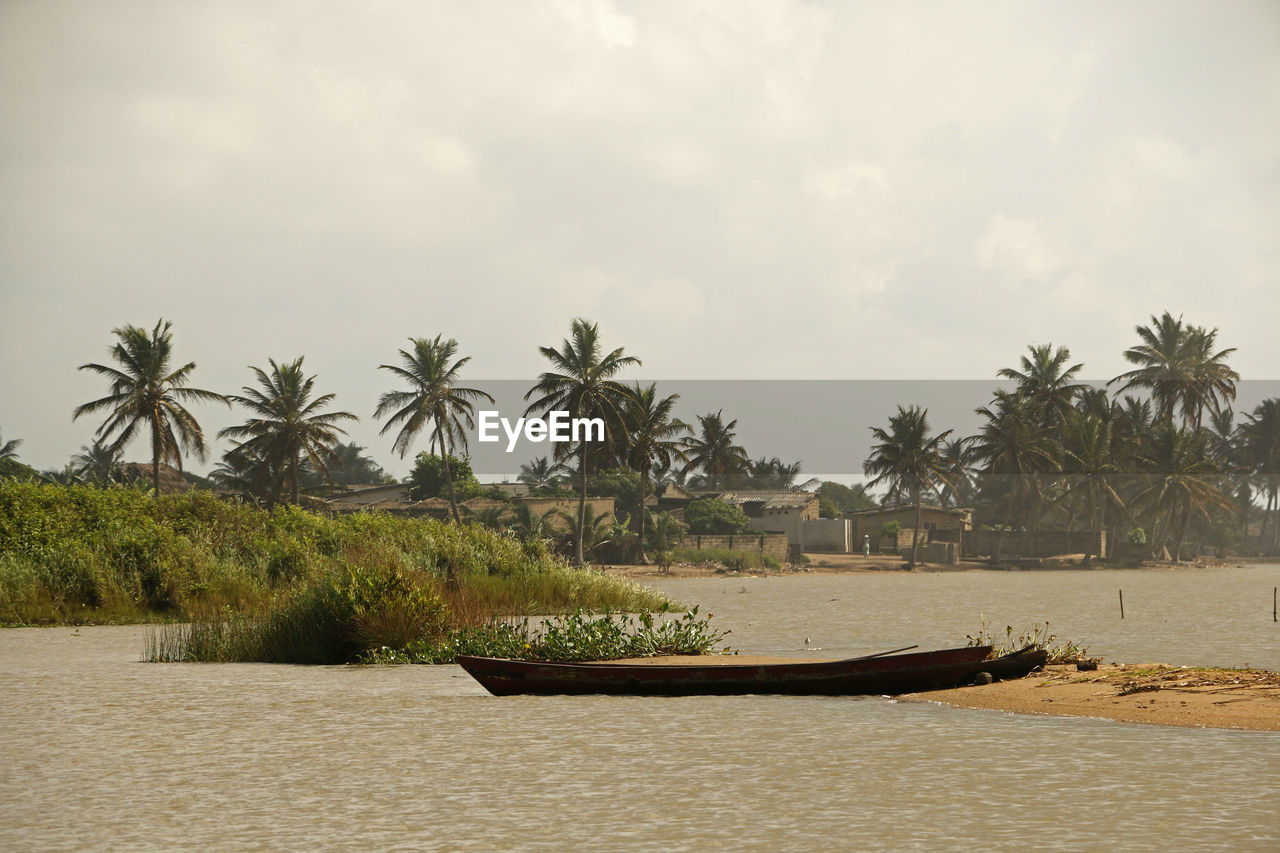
pixel 874 674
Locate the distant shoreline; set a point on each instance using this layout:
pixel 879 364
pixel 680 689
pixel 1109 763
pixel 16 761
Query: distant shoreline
pixel 839 564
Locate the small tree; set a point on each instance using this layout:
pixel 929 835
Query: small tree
pixel 428 478
pixel 712 516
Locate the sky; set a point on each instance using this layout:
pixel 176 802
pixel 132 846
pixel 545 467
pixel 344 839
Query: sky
pixel 731 190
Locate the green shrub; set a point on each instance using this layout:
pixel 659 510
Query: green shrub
pixel 712 516
pixel 84 554
pixel 576 637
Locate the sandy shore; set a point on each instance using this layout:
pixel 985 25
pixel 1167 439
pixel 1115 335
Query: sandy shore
pixel 1135 693
pixel 1157 694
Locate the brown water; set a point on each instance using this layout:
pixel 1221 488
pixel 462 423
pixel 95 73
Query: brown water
pixel 100 751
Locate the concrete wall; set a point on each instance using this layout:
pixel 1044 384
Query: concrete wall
pixel 930 518
pixel 790 524
pixel 771 544
pixel 828 535
pixel 1045 543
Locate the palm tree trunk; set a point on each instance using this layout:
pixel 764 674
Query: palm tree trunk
pixel 1266 517
pixel 578 561
pixel 915 539
pixel 294 490
pixel 644 493
pixel 155 459
pixel 1182 530
pixel 448 474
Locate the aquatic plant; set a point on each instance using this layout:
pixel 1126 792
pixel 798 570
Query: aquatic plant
pixel 1035 636
pixel 576 637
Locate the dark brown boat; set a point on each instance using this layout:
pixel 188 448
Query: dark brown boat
pixel 883 674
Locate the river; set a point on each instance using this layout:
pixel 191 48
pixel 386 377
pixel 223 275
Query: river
pixel 101 751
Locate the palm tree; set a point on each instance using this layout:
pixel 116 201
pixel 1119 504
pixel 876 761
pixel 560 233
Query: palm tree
pixel 958 453
pixel 355 468
pixel 1260 446
pixel 581 383
pixel 146 391
pixel 1046 383
pixel 655 440
pixel 244 470
pixel 492 517
pixel 434 400
pixel 540 472
pixel 714 451
pixel 1178 365
pixel 1015 453
pixel 529 524
pixel 96 463
pixel 909 461
pixel 1180 482
pixel 9 449
pixel 288 425
pixel 1091 469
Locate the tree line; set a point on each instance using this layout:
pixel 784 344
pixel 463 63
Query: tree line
pixel 1154 454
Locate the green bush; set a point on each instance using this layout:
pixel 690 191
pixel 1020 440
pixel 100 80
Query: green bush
pixel 427 478
pixel 576 637
pixel 84 554
pixel 712 516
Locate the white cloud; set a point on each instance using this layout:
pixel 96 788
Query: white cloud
pixel 1016 248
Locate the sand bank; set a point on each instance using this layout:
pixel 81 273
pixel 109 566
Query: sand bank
pixel 1135 693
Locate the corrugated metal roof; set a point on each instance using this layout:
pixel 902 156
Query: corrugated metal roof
pixel 776 499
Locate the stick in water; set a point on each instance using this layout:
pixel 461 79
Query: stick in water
pixel 1122 604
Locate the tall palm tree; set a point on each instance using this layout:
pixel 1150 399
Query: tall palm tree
pixel 909 461
pixel 1046 383
pixel 434 400
pixel 581 383
pixel 714 450
pixel 1260 446
pixel 655 440
pixel 1177 363
pixel 288 425
pixel 148 392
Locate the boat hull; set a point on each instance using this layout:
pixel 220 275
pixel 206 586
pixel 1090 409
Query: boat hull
pixel 875 675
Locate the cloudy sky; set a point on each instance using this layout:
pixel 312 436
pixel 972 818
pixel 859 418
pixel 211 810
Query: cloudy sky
pixel 747 190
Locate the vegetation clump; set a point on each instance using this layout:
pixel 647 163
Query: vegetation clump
pixel 1036 636
pixel 74 555
pixel 576 637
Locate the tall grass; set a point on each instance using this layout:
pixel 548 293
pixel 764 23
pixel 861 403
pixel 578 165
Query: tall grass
pixel 731 559
pixel 74 555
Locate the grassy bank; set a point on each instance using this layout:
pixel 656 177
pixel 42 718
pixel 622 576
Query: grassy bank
pixel 76 555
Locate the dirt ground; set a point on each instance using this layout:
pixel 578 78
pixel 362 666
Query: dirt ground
pixel 1134 693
